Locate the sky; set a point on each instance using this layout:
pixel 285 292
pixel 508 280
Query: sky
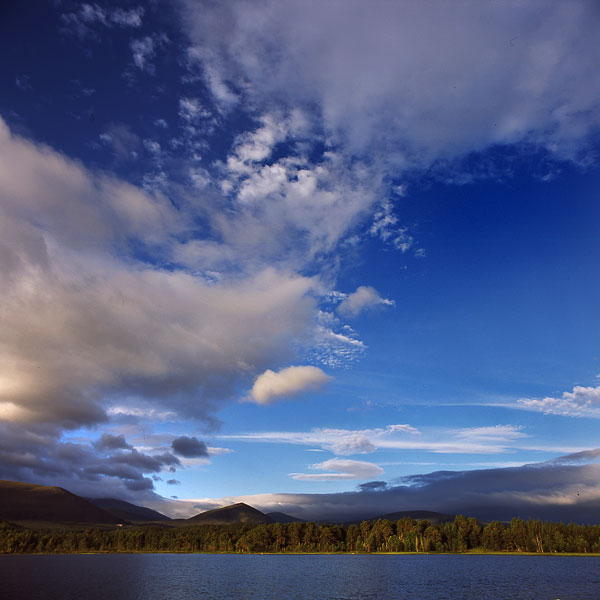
pixel 328 258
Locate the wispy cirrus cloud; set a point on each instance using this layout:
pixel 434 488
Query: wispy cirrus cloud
pixel 470 440
pixel 343 442
pixel 340 470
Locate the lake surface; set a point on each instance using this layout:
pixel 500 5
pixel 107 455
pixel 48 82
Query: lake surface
pixel 302 577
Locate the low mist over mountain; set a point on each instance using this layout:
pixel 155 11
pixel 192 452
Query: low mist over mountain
pixel 280 517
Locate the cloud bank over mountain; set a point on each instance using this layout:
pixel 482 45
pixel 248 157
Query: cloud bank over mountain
pixel 553 491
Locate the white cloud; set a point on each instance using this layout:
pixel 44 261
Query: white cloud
pixel 151 414
pixel 271 386
pixel 257 145
pixel 363 298
pixel 128 18
pixel 153 147
pixel 340 469
pixel 493 433
pixel 191 109
pixel 81 22
pixel 225 97
pixel 528 76
pixel 144 50
pixel 122 140
pixel 581 402
pixel 333 343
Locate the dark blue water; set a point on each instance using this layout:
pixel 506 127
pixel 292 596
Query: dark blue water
pixel 305 577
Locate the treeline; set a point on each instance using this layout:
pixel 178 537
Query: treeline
pixel 406 535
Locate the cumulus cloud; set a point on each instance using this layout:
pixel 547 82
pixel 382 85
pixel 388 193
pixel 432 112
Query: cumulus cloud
pixel 92 333
pixel 189 447
pixel 581 402
pixel 271 386
pixel 363 298
pixel 82 319
pixel 303 207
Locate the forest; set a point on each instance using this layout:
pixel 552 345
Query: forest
pixel 406 535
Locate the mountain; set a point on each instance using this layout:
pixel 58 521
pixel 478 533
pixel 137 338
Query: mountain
pixel 28 502
pixel 236 513
pixel 126 511
pixel 280 517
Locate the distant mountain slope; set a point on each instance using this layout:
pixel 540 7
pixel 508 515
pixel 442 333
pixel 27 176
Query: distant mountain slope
pixel 127 511
pixel 417 515
pixel 236 513
pixel 28 502
pixel 280 517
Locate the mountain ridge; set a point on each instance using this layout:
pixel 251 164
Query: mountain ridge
pixel 128 511
pixel 21 501
pixel 234 513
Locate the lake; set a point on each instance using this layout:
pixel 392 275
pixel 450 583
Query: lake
pixel 302 577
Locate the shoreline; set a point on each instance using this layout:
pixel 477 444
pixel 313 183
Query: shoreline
pixel 498 553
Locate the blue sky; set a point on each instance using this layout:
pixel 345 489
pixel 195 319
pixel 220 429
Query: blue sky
pixel 277 251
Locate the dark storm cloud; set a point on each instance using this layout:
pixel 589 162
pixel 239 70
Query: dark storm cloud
pixel 112 442
pixel 36 454
pixel 189 447
pixel 145 462
pixel 373 486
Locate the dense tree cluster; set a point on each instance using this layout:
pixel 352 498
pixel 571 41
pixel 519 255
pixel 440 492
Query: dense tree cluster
pixel 406 535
